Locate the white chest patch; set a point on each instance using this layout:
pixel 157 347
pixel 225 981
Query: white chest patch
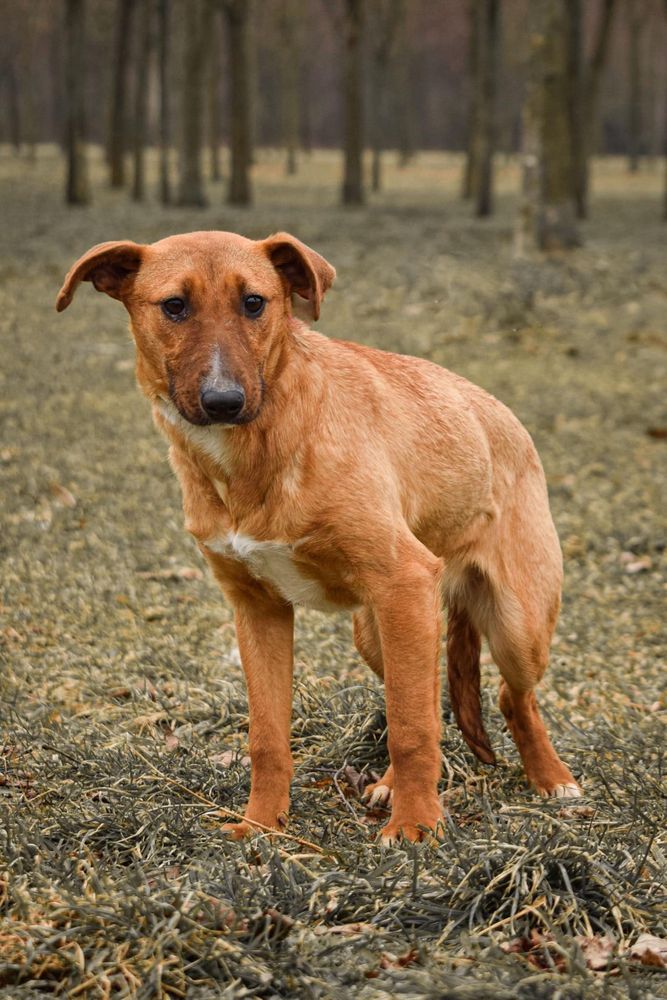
pixel 274 563
pixel 210 440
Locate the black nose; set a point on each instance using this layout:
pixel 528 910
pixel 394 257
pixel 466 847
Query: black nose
pixel 222 406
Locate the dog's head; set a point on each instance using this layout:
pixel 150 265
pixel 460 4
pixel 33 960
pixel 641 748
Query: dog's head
pixel 209 312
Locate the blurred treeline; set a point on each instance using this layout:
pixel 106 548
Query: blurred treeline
pixel 558 80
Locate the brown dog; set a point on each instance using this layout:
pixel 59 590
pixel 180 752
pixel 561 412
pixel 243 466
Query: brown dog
pixel 327 474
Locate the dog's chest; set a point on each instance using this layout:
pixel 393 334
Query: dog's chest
pixel 273 562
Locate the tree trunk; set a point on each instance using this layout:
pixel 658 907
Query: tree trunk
pixel 592 80
pixel 191 187
pixel 118 126
pixel 240 123
pixel 163 62
pixel 547 215
pixel 473 75
pixel 213 88
pixel 576 96
pixel 77 191
pixel 144 51
pixel 305 100
pixel 290 91
pixel 635 85
pixel 483 132
pixel 254 93
pixel 353 181
pixel 57 74
pixel 14 106
pixel 383 32
pixel 377 96
pixel 403 89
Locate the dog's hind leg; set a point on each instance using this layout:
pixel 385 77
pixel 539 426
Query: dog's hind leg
pixel 367 641
pixel 520 623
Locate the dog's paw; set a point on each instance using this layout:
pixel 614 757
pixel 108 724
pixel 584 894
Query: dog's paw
pixel 240 831
pixel 414 830
pixel 249 828
pixel 566 791
pixel 378 795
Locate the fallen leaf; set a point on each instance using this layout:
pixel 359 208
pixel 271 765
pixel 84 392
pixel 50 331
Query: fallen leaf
pixel 389 961
pixel 639 565
pixel 597 951
pixel 650 950
pixel 171 740
pixel 229 757
pixel 347 930
pixel 62 495
pixel 659 433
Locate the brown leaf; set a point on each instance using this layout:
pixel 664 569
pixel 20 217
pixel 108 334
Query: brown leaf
pixel 659 433
pixel 639 565
pixel 650 950
pixel 347 930
pixel 357 780
pixel 390 961
pixel 62 495
pixel 597 951
pixel 171 740
pixel 229 757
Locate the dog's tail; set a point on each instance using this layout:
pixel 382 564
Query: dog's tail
pixel 463 650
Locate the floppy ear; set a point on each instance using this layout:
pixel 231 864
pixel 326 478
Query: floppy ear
pixel 108 265
pixel 304 272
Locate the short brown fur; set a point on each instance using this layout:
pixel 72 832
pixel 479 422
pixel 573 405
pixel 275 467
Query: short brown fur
pixel 354 479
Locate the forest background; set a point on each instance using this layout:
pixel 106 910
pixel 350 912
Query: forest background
pixel 488 178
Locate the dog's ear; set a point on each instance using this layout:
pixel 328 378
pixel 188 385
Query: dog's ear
pixel 110 266
pixel 304 271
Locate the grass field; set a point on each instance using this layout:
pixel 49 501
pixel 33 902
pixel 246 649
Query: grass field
pixel 123 715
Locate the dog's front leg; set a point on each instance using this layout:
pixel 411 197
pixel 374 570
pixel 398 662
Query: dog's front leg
pixel 265 631
pixel 407 607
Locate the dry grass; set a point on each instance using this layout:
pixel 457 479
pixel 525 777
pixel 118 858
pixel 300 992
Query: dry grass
pixel 123 719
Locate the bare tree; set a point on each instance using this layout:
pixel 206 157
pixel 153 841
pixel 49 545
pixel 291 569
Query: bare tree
pixel 635 20
pixel 144 51
pixel 57 77
pixel 289 41
pixel 473 58
pixel 547 214
pixel 77 190
pixel 485 19
pixel 386 15
pixel 191 186
pixel 163 62
pixel 237 15
pixel 15 118
pixel 353 26
pixel 402 90
pixel 118 125
pixel 213 94
pixel 588 100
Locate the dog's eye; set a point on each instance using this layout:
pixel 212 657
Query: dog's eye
pixel 174 308
pixel 253 305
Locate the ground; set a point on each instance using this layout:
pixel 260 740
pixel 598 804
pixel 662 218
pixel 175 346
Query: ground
pixel 123 720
